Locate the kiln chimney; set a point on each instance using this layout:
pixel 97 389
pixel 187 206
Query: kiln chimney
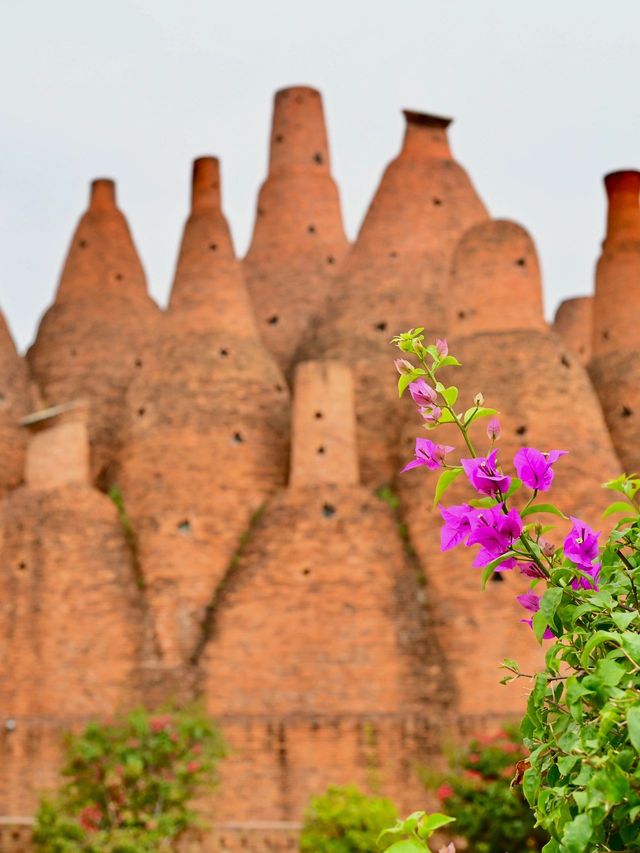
pixel 574 323
pixel 323 442
pixel 58 450
pixel 14 404
pixel 205 187
pixel 298 238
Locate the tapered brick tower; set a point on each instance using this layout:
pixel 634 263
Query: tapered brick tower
pixel 574 323
pixel 14 404
pixel 545 401
pixel 92 340
pixel 323 616
pixel 615 364
pixel 298 238
pixel 397 270
pixel 71 618
pixel 206 437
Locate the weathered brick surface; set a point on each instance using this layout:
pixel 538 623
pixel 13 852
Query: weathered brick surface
pixel 615 363
pixel 93 339
pixel 545 401
pixel 206 429
pixel 298 239
pixel 573 323
pixel 396 271
pixel 14 403
pixel 71 622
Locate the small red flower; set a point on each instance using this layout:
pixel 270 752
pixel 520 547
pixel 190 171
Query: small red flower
pixel 444 792
pixel 159 724
pixel 473 774
pixel 193 767
pixel 90 817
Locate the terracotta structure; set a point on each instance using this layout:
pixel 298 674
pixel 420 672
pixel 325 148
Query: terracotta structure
pixel 298 239
pixel 574 322
pixel 396 271
pixel 14 404
pixel 545 401
pixel 207 423
pixel 249 557
pixel 93 339
pixel 325 588
pixel 615 364
pixel 71 617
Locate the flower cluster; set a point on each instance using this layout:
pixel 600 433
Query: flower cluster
pixel 504 540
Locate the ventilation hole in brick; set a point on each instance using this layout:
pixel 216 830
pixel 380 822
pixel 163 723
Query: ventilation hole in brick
pixel 22 565
pixel 461 315
pixel 328 510
pixel 437 202
pixel 331 259
pixel 521 262
pixel 318 416
pixel 213 247
pixel 321 451
pixel 626 412
pixel 564 361
pixel 119 276
pixel 184 526
pixel 15 835
pixel 224 353
pixel 279 388
pixel 261 211
pixel 237 438
pixel 496 577
pixel 83 244
pixel 393 254
pixel 605 336
pixel 311 229
pixel 141 411
pixel 138 362
pixel 306 571
pixel 273 320
pixel 318 158
pixel 382 326
pixel 279 137
pixel 521 430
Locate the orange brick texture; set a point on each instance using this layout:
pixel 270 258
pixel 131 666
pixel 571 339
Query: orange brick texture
pixel 395 274
pixel 253 562
pixel 615 363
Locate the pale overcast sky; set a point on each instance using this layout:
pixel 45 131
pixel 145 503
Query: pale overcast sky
pixel 544 95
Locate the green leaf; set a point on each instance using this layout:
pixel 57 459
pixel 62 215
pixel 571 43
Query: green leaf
pixel 449 361
pixel 433 822
pixel 551 847
pixel 450 394
pixel 547 508
pixel 540 624
pixel 444 481
pixel 633 724
pixel 623 620
pixel 406 847
pixel 407 378
pixel 618 506
pixel 596 640
pixel 446 417
pixel 490 567
pixel 550 601
pixel 577 834
pixel 476 412
pixel 631 645
pixel 515 484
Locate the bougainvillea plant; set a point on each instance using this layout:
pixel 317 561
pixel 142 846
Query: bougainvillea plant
pixel 412 834
pixel 582 725
pixel 491 814
pixel 131 783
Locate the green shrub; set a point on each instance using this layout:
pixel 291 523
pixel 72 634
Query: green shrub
pixel 130 784
pixel 490 814
pixel 344 820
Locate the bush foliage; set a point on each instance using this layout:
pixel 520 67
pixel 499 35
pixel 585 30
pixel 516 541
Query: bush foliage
pixel 344 820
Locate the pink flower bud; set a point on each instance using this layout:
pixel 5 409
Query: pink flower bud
pixel 478 400
pixel 494 429
pixel 403 366
pixel 442 347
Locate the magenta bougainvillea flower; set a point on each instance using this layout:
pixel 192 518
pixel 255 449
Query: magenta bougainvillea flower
pixel 531 570
pixel 431 414
pixel 428 453
pixel 423 394
pixel 531 602
pixel 493 429
pixel 457 525
pixel 581 545
pixel 534 468
pixel 587 583
pixel 484 475
pixel 443 347
pixel 495 532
